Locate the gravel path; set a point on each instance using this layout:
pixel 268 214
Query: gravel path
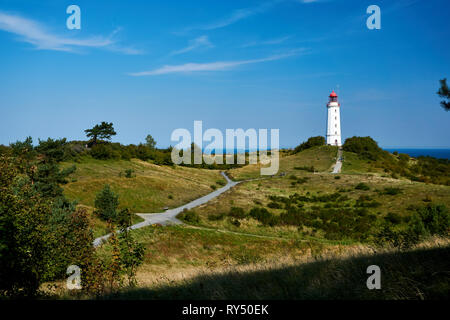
pixel 169 216
pixel 338 166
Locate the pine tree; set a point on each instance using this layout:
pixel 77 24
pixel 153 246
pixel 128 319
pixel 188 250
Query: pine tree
pixel 444 93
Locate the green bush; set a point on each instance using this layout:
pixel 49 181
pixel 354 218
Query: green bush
pixel 393 218
pixel 129 173
pixel 106 203
pixel 306 168
pixel 216 217
pixel 391 191
pixel 366 147
pixel 40 236
pixel 436 219
pixel 189 216
pixel 235 223
pixel 274 205
pixel 312 142
pixel 264 216
pixel 237 212
pixel 362 186
pixel 221 182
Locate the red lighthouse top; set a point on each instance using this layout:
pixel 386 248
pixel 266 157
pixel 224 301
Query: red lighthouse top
pixel 333 97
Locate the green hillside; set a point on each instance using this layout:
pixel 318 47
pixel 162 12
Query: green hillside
pixel 150 188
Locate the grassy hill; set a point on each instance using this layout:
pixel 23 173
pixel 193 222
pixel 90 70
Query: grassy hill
pixel 226 253
pixel 321 158
pixel 150 189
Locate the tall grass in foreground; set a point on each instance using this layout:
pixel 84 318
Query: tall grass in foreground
pixel 423 273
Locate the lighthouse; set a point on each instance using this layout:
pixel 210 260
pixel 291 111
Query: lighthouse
pixel 334 121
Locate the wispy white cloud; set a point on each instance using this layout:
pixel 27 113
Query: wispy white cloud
pixel 35 33
pixel 267 42
pixel 213 66
pixel 241 14
pixel 235 16
pixel 199 42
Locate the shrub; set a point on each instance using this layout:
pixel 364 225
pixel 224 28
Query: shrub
pixel 436 219
pixel 274 205
pixel 362 186
pixel 306 168
pixel 103 151
pixel 391 191
pixel 337 177
pixel 235 223
pixel 213 186
pixel 39 236
pixel 221 182
pixel 189 216
pixel 237 212
pixel 393 218
pixel 216 217
pixel 129 173
pixel 106 203
pixel 366 147
pixel 263 216
pixel 404 158
pixel 312 142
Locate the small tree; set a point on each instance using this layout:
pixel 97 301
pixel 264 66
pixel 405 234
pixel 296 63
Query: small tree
pixel 102 131
pixel 444 93
pixel 131 251
pixel 106 203
pixel 150 142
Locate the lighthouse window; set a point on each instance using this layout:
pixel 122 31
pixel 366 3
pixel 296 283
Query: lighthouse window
pixel 335 132
pixel 335 125
pixel 335 118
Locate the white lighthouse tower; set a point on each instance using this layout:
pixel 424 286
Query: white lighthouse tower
pixel 334 121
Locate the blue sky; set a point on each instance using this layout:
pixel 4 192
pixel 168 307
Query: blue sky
pixel 154 66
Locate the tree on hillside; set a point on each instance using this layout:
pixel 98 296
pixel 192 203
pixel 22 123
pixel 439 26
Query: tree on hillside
pixel 444 93
pixel 150 142
pixel 39 235
pixel 102 131
pixel 106 203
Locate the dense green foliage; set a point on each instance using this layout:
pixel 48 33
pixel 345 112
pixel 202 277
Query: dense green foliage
pixel 423 169
pixel 150 142
pixel 444 92
pixel 41 233
pixel 311 142
pixel 106 204
pixel 102 131
pixel 189 216
pixel 335 216
pixel 365 147
pixel 99 148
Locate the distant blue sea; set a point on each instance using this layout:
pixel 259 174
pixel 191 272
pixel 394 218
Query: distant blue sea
pixel 436 153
